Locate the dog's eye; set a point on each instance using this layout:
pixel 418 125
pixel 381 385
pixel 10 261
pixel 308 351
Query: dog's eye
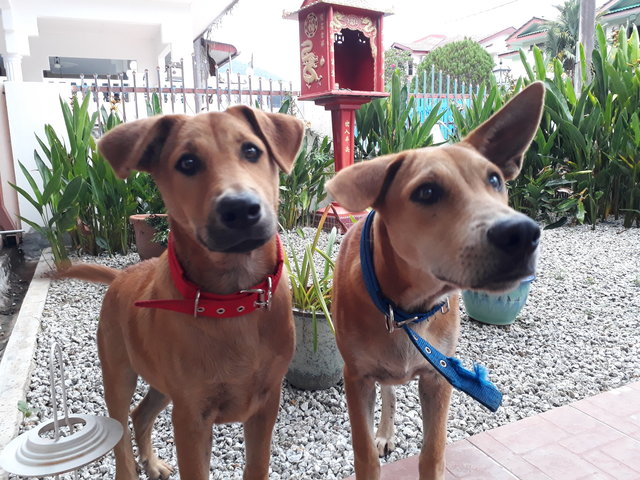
pixel 188 164
pixel 251 152
pixel 495 181
pixel 427 194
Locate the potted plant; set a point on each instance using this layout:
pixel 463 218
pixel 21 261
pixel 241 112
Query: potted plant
pixel 151 228
pixel 317 363
pixel 151 231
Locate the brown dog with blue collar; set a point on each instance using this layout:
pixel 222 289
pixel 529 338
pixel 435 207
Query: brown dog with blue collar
pixel 442 224
pixel 212 330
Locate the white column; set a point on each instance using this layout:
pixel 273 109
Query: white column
pixel 585 36
pixel 13 65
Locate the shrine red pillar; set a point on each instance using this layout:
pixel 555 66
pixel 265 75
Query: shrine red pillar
pixel 343 122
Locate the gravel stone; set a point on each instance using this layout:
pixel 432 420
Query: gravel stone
pixel 576 337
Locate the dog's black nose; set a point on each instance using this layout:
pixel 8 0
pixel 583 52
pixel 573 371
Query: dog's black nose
pixel 239 210
pixel 515 235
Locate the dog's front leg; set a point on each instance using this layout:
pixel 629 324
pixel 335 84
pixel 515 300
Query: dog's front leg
pixel 384 436
pixel 360 393
pixel 193 437
pixel 435 394
pixel 257 437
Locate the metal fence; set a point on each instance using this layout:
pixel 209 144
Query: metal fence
pixel 133 100
pixel 450 92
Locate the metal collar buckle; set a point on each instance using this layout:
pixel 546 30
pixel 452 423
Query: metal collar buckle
pixel 392 324
pixel 390 318
pixel 264 296
pixel 391 321
pixel 446 307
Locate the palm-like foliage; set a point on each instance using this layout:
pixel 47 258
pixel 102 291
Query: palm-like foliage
pixel 562 35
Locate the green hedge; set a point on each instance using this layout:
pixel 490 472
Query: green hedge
pixel 584 163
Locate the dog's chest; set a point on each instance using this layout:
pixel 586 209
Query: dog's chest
pixel 400 363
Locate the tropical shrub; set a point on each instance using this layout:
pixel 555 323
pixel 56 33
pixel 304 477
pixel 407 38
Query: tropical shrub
pixel 81 195
pixel 562 35
pixel 584 162
pixel 390 125
pixel 399 60
pixel 302 190
pixel 465 59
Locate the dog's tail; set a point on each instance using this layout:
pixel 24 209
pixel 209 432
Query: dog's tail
pixel 88 272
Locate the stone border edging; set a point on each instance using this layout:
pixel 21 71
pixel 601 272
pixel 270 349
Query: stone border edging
pixel 17 361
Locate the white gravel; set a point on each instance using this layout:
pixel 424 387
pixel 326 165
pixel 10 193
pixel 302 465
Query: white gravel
pixel 576 337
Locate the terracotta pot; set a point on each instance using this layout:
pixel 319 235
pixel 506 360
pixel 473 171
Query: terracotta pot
pixel 144 232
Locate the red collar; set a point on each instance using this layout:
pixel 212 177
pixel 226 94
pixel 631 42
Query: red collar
pixel 203 304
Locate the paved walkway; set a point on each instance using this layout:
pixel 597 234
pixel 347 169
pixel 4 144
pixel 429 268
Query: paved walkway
pixel 595 438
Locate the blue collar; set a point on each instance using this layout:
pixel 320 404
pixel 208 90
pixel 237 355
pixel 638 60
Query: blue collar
pixel 475 384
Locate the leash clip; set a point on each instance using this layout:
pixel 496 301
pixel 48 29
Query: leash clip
pixel 196 308
pixel 264 296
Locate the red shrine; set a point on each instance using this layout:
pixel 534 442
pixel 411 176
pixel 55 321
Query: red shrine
pixel 342 64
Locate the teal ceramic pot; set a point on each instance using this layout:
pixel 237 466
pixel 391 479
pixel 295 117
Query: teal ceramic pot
pixel 497 309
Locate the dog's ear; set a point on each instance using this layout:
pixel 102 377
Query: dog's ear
pixel 281 133
pixel 364 184
pixel 505 137
pixel 137 145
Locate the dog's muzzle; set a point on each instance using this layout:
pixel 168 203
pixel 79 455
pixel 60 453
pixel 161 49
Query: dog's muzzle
pixel 239 223
pixel 515 236
pixel 514 240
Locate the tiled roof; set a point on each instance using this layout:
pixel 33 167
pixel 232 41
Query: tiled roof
pixel 532 27
pixel 617 6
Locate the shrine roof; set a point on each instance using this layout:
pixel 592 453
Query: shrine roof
pixel 358 4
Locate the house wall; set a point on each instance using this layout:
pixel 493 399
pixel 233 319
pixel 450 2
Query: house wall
pixel 143 45
pixel 9 209
pixel 30 105
pixel 37 29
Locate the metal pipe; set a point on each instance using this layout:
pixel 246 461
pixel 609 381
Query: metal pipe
pixel 135 93
pixel 184 96
pixel 218 89
pixel 122 102
pixel 160 99
pixel 173 97
pixel 97 99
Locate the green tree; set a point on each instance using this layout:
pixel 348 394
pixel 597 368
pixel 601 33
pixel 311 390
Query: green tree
pixel 395 59
pixel 465 60
pixel 562 35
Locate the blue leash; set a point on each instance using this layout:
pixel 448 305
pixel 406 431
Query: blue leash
pixel 475 384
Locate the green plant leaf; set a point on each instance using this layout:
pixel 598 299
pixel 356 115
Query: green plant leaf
pixel 70 193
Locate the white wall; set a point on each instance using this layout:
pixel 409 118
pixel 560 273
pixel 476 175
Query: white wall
pixel 29 106
pixel 141 44
pixel 7 174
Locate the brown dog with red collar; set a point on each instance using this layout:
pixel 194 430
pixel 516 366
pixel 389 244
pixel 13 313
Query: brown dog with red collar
pixel 442 224
pixel 218 175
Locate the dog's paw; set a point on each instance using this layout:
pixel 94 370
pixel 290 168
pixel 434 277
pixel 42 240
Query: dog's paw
pixel 384 446
pixel 156 469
